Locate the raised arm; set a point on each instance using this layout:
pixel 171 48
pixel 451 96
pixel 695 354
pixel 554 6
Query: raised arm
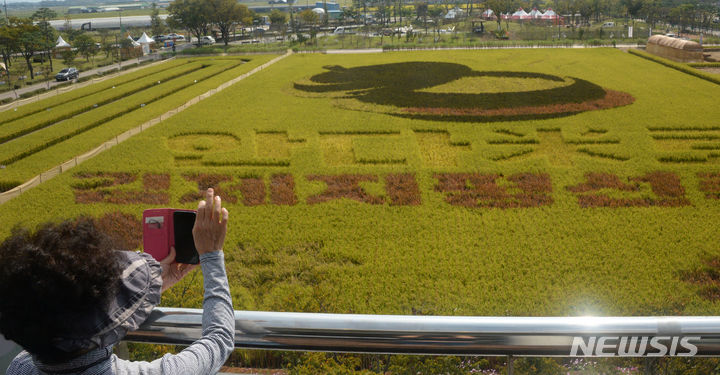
pixel 209 353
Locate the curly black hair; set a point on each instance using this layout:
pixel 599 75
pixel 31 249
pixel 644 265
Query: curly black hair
pixel 63 269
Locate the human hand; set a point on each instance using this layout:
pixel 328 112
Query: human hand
pixel 210 224
pixel 173 272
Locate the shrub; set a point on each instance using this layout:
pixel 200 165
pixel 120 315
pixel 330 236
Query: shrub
pixel 705 65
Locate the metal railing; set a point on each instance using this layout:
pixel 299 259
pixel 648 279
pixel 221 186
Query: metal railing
pixel 454 335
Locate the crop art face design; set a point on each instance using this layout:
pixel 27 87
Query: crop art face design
pixel 454 92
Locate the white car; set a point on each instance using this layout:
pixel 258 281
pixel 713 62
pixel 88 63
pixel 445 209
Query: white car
pixel 175 37
pixel 207 40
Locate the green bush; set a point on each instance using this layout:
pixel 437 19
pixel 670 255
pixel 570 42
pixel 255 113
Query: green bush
pixel 705 65
pixel 209 50
pixel 252 48
pixel 32 93
pixel 7 185
pixel 483 44
pixel 87 77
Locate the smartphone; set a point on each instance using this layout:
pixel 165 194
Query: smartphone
pixel 167 227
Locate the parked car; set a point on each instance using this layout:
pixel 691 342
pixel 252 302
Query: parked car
pixel 175 37
pixel 207 40
pixel 67 74
pixel 160 38
pixel 609 24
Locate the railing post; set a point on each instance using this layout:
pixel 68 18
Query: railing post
pixel 511 365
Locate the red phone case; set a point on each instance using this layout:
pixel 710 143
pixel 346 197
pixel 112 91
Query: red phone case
pixel 158 233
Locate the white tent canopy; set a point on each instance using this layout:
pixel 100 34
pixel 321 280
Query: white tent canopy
pixel 144 39
pixel 61 43
pixel 536 13
pixel 520 14
pixel 134 43
pixel 454 13
pixel 549 14
pixel 488 13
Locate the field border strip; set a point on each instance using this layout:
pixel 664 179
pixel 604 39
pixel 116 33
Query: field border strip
pixel 63 90
pixel 55 171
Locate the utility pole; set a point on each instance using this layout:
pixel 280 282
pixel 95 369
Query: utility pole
pixel 117 43
pixel 7 21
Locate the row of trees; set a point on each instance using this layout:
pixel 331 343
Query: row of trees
pixel 27 37
pixel 34 38
pixel 199 16
pixel 697 14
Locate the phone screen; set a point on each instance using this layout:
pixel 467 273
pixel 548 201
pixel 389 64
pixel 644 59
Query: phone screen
pixel 184 244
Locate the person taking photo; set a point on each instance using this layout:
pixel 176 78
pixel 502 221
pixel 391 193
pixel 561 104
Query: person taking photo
pixel 67 297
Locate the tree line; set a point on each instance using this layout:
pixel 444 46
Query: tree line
pixel 687 15
pixel 200 16
pixel 34 39
pixel 27 37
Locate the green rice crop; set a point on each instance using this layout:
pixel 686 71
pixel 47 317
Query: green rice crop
pixel 348 209
pixel 41 150
pixel 30 108
pixel 96 101
pixel 29 144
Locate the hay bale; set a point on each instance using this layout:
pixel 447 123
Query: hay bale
pixel 675 49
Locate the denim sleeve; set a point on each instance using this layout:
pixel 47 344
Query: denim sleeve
pixel 209 353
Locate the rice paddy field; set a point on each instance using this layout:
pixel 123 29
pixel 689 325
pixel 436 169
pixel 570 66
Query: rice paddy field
pixel 502 182
pixel 43 134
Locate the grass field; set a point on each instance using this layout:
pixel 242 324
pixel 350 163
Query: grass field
pixel 436 183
